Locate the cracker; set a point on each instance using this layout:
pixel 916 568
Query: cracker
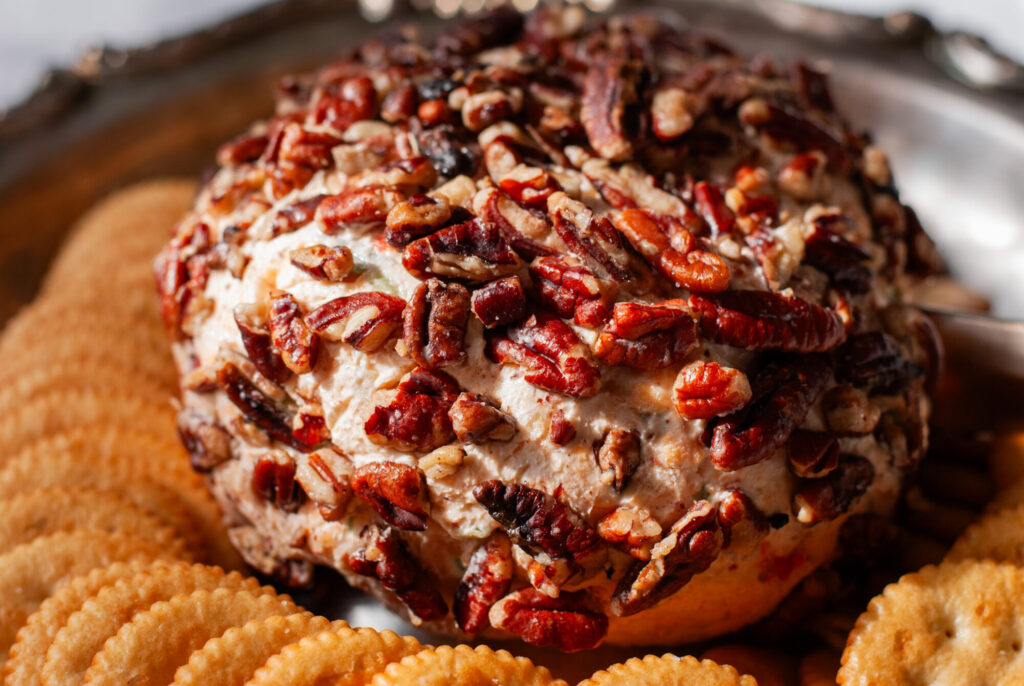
pixel 668 669
pixel 819 668
pixel 998 536
pixel 150 648
pixel 104 614
pixel 464 666
pixel 341 657
pixel 234 657
pixel 33 571
pixel 1006 461
pixel 768 667
pixel 129 359
pixel 28 654
pixel 40 513
pixel 955 623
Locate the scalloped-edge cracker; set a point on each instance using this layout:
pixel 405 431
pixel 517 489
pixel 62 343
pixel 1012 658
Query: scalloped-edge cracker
pixel 342 657
pixel 100 617
pixel 150 648
pixel 955 623
pixel 85 373
pixel 998 536
pixel 234 657
pixel 33 571
pixel 668 669
pixel 464 666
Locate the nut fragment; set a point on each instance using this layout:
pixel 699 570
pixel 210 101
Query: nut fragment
pixel 788 127
pixel 519 226
pixel 572 290
pixel 290 333
pixel 205 440
pixel 813 454
pixel 324 263
pixel 712 207
pixel 473 250
pixel 325 478
pixel 396 492
pixel 434 323
pixel 569 622
pixel 820 500
pixel 182 268
pixel 849 411
pixel 363 320
pixel 672 112
pixel 416 217
pixel 631 529
pixel 417 418
pixel 296 215
pixel 487 578
pixel 646 336
pixel 561 431
pixel 618 456
pixel 842 260
pixel 591 238
pixel 743 523
pixel 387 558
pixel 704 390
pixel 443 462
pixel 875 362
pixel 476 418
pixel 500 302
pixel 357 208
pixel 251 321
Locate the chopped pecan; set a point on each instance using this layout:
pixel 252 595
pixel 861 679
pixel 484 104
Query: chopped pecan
pixel 500 26
pixel 434 323
pixel 704 390
pixel 276 421
pixel 711 204
pixel 849 411
pixel 842 260
pixel 290 333
pixel 608 89
pixel 181 271
pixel 813 454
pixel 803 176
pixel 874 361
pixel 325 479
pixel 552 355
pixel 786 126
pixel 418 216
pixel 572 290
pixel 273 480
pixel 252 325
pixel 646 336
pixel 672 111
pixel 481 110
pixel 538 522
pixel 530 186
pixel 417 418
pixel 397 492
pixel 487 578
pixel 781 395
pixel 589 237
pixel 245 148
pixel 448 152
pixel 357 208
pixel 618 455
pixel 354 101
pixel 519 226
pixel 813 86
pixel 477 418
pixel 296 153
pixel 631 529
pixel 407 176
pixel 743 523
pixel 763 320
pixel 561 431
pixel 310 428
pixel 824 499
pixel 434 112
pixel 399 104
pixel 500 302
pixel 205 440
pixel 474 251
pixel 363 320
pixel 324 263
pixel 387 559
pixel 690 547
pixel 569 622
pixel 443 462
pixel 296 215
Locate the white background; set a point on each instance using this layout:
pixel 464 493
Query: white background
pixel 35 34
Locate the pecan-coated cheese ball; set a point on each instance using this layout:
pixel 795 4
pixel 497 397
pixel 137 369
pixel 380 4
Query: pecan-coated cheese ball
pixel 581 329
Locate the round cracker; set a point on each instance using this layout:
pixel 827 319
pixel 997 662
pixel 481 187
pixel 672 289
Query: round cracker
pixel 234 657
pixel 33 571
pixel 128 359
pixel 768 667
pixel 955 623
pixel 998 536
pixel 28 654
pixel 28 516
pixel 150 648
pixel 668 669
pixel 104 614
pixel 464 666
pixel 341 657
pixel 819 668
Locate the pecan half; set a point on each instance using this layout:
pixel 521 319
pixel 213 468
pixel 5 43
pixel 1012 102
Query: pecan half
pixel 591 238
pixel 569 622
pixel 618 455
pixel 252 325
pixel 519 226
pixel 550 352
pixel 434 323
pixel 608 89
pixel 782 393
pixel 500 302
pixel 690 547
pixel 387 559
pixel 397 492
pixel 820 500
pixel 572 290
pixel 538 522
pixel 323 263
pixel 743 523
pixel 487 578
pixel 813 454
pixel 763 320
pixel 874 361
pixel 290 333
pixel 363 320
pixel 205 440
pixel 417 418
pixel 273 480
pixel 704 390
pixel 476 418
pixel 357 208
pixel 474 251
pixel 296 215
pixel 630 529
pixel 418 216
pixel 646 336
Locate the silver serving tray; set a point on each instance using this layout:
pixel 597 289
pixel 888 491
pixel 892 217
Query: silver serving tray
pixel 117 117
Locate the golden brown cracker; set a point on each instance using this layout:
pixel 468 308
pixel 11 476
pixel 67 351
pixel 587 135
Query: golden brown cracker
pixel 341 657
pixel 150 648
pixel 233 658
pixel 955 623
pixel 998 536
pixel 768 667
pixel 101 616
pixel 668 669
pixel 33 571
